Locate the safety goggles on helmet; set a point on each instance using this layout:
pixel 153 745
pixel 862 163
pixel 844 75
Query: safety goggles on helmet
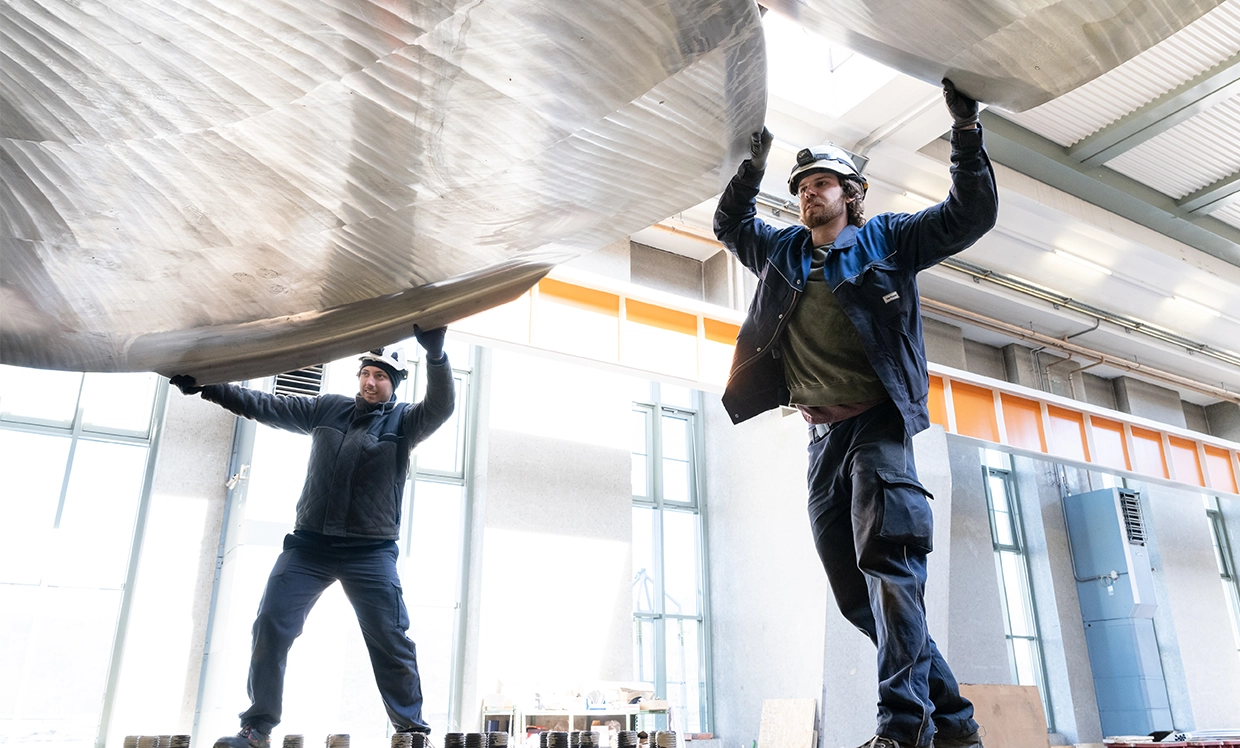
pixel 825 157
pixel 391 360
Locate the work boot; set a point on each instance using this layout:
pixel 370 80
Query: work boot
pixel 249 737
pixel 972 740
pixel 880 741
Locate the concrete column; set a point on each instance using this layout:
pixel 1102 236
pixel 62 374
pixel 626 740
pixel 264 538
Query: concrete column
pixel 768 587
pixel 1224 420
pixel 977 609
pixel 1148 401
pixel 944 343
pixel 1018 365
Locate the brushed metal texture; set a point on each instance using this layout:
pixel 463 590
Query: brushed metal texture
pixel 236 188
pixel 1014 54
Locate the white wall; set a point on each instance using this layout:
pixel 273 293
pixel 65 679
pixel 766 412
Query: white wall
pixel 551 568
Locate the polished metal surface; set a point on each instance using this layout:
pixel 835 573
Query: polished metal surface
pixel 232 189
pixel 1015 54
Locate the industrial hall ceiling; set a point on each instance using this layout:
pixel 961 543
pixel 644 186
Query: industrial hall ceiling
pixel 240 188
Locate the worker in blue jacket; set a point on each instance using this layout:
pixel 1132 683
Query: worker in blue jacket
pixel 834 330
pixel 347 524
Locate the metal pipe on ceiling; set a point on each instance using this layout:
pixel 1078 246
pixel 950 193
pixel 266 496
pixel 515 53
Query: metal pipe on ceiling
pixel 1048 341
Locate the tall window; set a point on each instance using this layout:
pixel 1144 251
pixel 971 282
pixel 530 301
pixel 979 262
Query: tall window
pixel 73 456
pixel 669 594
pixel 1019 611
pixel 1226 564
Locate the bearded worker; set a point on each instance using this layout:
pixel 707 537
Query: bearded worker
pixel 347 524
pixel 835 330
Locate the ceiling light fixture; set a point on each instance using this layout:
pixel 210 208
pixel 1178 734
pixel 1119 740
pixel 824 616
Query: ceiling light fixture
pixel 1198 306
pixel 1082 261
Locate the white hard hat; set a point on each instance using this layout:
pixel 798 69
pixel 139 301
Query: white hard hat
pixel 825 157
pixel 390 359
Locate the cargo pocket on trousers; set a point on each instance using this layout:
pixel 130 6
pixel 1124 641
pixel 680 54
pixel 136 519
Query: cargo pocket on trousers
pixel 402 613
pixel 907 518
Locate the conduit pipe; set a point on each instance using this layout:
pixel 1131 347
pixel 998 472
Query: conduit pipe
pixel 1048 341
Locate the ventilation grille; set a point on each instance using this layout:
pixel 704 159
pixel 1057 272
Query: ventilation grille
pixel 307 381
pixel 1130 506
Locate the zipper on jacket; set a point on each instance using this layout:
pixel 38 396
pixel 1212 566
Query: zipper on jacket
pixel 783 321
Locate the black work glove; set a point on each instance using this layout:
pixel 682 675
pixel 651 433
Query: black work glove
pixel 431 341
pixel 186 384
pixel 760 148
pixel 962 108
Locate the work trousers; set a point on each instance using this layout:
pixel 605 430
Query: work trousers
pixel 369 578
pixel 873 527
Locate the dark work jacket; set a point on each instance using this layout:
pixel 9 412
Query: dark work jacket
pixel 359 453
pixel 872 271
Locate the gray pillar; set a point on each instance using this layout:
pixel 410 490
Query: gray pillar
pixel 1149 401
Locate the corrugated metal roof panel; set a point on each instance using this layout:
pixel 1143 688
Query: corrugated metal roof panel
pixel 1229 214
pixel 1198 47
pixel 1189 156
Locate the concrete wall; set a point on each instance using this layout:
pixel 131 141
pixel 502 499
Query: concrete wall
pixel 172 592
pixel 665 271
pixel 1199 655
pixel 1195 417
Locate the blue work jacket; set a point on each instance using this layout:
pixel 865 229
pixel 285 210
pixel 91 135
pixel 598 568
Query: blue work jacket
pixel 872 270
pixel 359 453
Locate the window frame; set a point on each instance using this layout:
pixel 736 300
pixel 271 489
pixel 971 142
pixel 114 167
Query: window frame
pixel 1016 548
pixel 656 410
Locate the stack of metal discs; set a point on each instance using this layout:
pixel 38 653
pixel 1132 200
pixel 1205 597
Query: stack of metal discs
pixel 574 739
pixel 666 739
pixel 544 739
pixel 131 741
pixel 402 740
pixel 589 739
pixel 177 741
pixel 454 740
pixel 557 739
pixel 497 739
pixel 626 739
pixel 148 741
pixel 419 740
pixel 294 741
pixel 338 741
pixel 475 740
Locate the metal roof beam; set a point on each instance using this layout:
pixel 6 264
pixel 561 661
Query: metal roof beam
pixel 1213 196
pixel 1177 105
pixel 1035 156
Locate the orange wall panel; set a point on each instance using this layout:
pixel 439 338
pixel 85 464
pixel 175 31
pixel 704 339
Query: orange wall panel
pixel 1218 465
pixel 1184 457
pixel 1148 455
pixel 937 402
pixel 1068 434
pixel 581 297
pixel 975 411
pixel 1022 419
pixel 1109 446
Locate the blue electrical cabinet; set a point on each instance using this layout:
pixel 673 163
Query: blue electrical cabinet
pixel 1115 586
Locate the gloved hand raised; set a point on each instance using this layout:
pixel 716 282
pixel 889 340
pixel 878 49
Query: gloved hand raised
pixel 431 341
pixel 760 148
pixel 962 108
pixel 186 384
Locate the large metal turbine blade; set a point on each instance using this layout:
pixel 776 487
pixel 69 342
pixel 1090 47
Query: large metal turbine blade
pixel 1015 54
pixel 231 189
